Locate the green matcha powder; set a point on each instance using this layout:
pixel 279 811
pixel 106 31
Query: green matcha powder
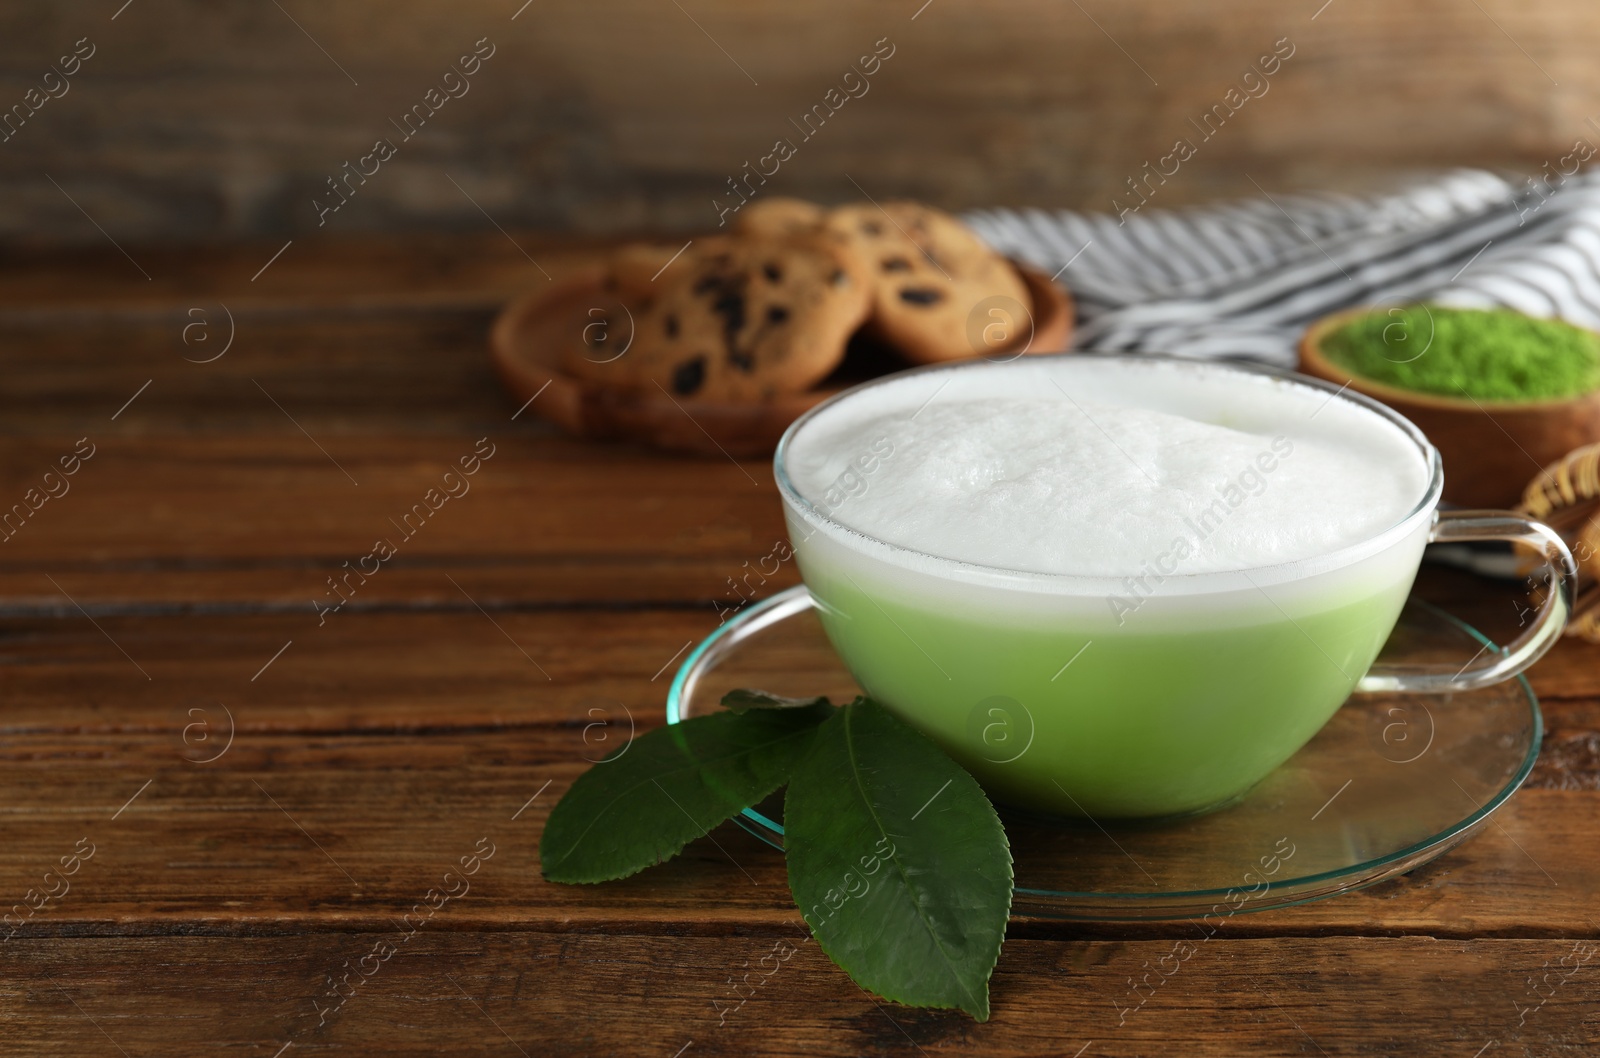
pixel 1495 355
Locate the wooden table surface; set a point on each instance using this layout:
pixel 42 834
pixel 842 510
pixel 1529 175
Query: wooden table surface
pixel 266 792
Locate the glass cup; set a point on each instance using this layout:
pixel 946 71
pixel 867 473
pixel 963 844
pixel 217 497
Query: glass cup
pixel 1152 695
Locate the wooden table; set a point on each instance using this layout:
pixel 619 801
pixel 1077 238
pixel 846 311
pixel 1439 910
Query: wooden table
pixel 164 605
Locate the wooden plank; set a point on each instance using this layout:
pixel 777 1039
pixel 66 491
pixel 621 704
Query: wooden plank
pixel 279 501
pixel 189 520
pixel 284 830
pixel 511 582
pixel 357 673
pixel 571 610
pixel 238 128
pixel 455 666
pixel 386 733
pixel 338 371
pixel 65 285
pixel 468 992
pixel 404 709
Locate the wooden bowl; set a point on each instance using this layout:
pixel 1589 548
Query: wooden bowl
pixel 532 334
pixel 1491 449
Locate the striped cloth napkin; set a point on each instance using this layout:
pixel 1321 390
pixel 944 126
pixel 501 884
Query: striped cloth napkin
pixel 1243 279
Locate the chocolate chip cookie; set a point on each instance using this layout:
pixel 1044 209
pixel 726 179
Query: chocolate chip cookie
pixel 736 318
pixel 939 292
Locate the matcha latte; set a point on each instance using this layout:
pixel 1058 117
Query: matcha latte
pixel 1113 586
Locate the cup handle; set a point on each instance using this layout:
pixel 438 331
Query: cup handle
pixel 1493 666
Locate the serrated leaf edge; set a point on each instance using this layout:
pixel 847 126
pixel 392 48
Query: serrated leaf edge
pixel 980 1008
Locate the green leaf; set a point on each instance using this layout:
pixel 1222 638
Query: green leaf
pixel 741 700
pixel 644 803
pixel 898 862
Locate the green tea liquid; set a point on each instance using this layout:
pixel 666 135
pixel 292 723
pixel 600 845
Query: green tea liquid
pixel 1178 721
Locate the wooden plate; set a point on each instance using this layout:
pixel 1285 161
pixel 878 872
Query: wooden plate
pixel 1491 449
pixel 529 337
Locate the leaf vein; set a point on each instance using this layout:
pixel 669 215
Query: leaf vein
pixel 855 774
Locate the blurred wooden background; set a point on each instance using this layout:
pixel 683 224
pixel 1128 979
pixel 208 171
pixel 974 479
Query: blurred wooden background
pixel 195 120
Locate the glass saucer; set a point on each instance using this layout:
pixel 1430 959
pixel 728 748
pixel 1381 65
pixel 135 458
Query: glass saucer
pixel 1393 781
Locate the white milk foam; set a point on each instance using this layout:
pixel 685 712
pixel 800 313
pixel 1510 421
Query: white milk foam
pixel 1107 467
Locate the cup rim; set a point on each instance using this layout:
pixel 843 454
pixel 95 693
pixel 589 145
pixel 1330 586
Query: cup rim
pixel 1082 584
